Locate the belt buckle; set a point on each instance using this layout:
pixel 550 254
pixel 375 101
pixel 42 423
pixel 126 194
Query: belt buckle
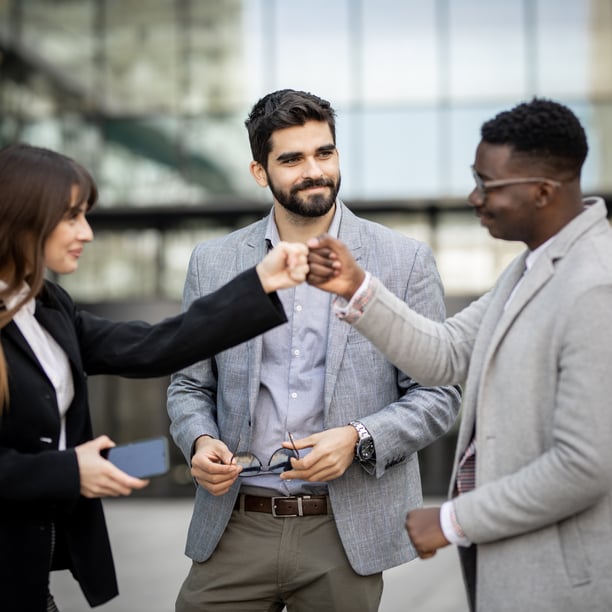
pixel 299 505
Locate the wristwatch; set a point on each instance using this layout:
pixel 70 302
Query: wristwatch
pixel 364 448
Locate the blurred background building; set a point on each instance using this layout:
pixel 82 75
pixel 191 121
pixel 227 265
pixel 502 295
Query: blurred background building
pixel 151 96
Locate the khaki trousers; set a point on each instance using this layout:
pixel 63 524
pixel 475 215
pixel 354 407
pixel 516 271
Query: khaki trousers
pixel 263 564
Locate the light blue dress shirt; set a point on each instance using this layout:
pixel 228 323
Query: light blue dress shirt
pixel 291 393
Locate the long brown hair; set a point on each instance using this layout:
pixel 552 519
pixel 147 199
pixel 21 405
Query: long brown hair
pixel 35 193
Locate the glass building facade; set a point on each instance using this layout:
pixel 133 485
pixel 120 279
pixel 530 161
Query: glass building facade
pixel 151 96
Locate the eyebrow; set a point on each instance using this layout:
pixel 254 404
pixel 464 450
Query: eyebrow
pixel 292 154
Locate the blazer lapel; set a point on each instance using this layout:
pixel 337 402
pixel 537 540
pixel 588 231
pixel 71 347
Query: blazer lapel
pixel 339 330
pixel 54 323
pixel 64 334
pixel 11 332
pixel 254 251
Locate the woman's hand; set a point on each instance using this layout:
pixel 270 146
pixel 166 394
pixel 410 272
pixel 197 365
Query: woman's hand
pixel 99 477
pixel 286 265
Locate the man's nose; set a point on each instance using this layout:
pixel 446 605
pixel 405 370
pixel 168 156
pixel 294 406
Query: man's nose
pixel 476 197
pixel 312 169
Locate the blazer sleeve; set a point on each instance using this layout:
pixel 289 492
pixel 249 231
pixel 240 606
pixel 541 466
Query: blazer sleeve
pixel 421 413
pixel 234 313
pixel 192 394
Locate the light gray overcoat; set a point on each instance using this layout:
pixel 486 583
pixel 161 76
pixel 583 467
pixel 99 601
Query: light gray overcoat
pixel 539 392
pixel 218 396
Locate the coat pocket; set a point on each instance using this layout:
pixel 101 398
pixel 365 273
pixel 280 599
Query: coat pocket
pixel 576 560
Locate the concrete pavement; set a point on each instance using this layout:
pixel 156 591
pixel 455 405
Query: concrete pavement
pixel 148 538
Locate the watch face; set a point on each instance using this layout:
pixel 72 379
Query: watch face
pixel 366 449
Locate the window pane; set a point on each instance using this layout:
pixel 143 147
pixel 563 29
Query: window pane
pixel 399 59
pixel 310 48
pixel 487 49
pixel 397 155
pixel 562 48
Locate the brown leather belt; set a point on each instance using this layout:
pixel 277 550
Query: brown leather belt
pixel 300 505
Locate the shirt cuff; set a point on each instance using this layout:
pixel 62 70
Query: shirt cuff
pixel 450 525
pixel 352 310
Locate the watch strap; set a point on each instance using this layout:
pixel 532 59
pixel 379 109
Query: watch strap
pixel 364 441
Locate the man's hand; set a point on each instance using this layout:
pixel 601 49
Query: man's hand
pixel 423 526
pixel 332 267
pixel 98 476
pixel 286 265
pixel 211 466
pixel 332 453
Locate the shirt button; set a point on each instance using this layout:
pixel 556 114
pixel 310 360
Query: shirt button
pixel 296 352
pixel 298 308
pixel 294 395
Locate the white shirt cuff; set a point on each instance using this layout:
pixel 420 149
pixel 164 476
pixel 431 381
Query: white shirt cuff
pixel 450 526
pixel 352 310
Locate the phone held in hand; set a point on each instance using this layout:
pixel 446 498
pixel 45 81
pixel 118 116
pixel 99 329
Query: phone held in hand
pixel 141 459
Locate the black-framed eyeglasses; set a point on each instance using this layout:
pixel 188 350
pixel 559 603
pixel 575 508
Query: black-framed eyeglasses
pixel 279 462
pixel 482 186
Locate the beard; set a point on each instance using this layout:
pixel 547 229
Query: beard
pixel 310 206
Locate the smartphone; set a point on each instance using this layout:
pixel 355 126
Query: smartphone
pixel 142 459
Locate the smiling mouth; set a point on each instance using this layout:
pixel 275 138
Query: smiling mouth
pixel 484 216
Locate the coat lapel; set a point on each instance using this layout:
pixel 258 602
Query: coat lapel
pixel 489 336
pixel 497 321
pixel 541 272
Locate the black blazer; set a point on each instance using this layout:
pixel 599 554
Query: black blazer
pixel 39 485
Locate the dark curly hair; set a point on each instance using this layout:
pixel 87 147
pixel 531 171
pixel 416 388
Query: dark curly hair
pixel 282 109
pixel 546 131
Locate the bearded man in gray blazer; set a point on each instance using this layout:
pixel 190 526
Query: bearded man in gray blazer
pixel 531 494
pixel 303 443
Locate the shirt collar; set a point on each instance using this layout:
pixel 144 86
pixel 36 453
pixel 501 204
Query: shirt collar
pixel 10 302
pixel 272 237
pixel 532 256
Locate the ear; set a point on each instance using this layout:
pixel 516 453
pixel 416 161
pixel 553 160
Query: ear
pixel 259 173
pixel 546 194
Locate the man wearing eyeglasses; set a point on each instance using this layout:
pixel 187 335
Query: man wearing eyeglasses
pixel 303 443
pixel 530 496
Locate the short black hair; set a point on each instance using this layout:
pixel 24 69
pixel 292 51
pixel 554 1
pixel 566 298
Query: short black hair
pixel 282 109
pixel 544 130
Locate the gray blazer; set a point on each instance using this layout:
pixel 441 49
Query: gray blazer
pixel 218 395
pixel 538 392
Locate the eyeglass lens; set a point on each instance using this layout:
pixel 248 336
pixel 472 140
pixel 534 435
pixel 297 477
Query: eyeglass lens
pixel 280 461
pixel 478 180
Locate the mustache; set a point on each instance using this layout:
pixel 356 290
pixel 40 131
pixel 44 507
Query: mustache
pixel 308 183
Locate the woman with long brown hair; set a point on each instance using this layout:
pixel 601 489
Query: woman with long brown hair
pixel 52 474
